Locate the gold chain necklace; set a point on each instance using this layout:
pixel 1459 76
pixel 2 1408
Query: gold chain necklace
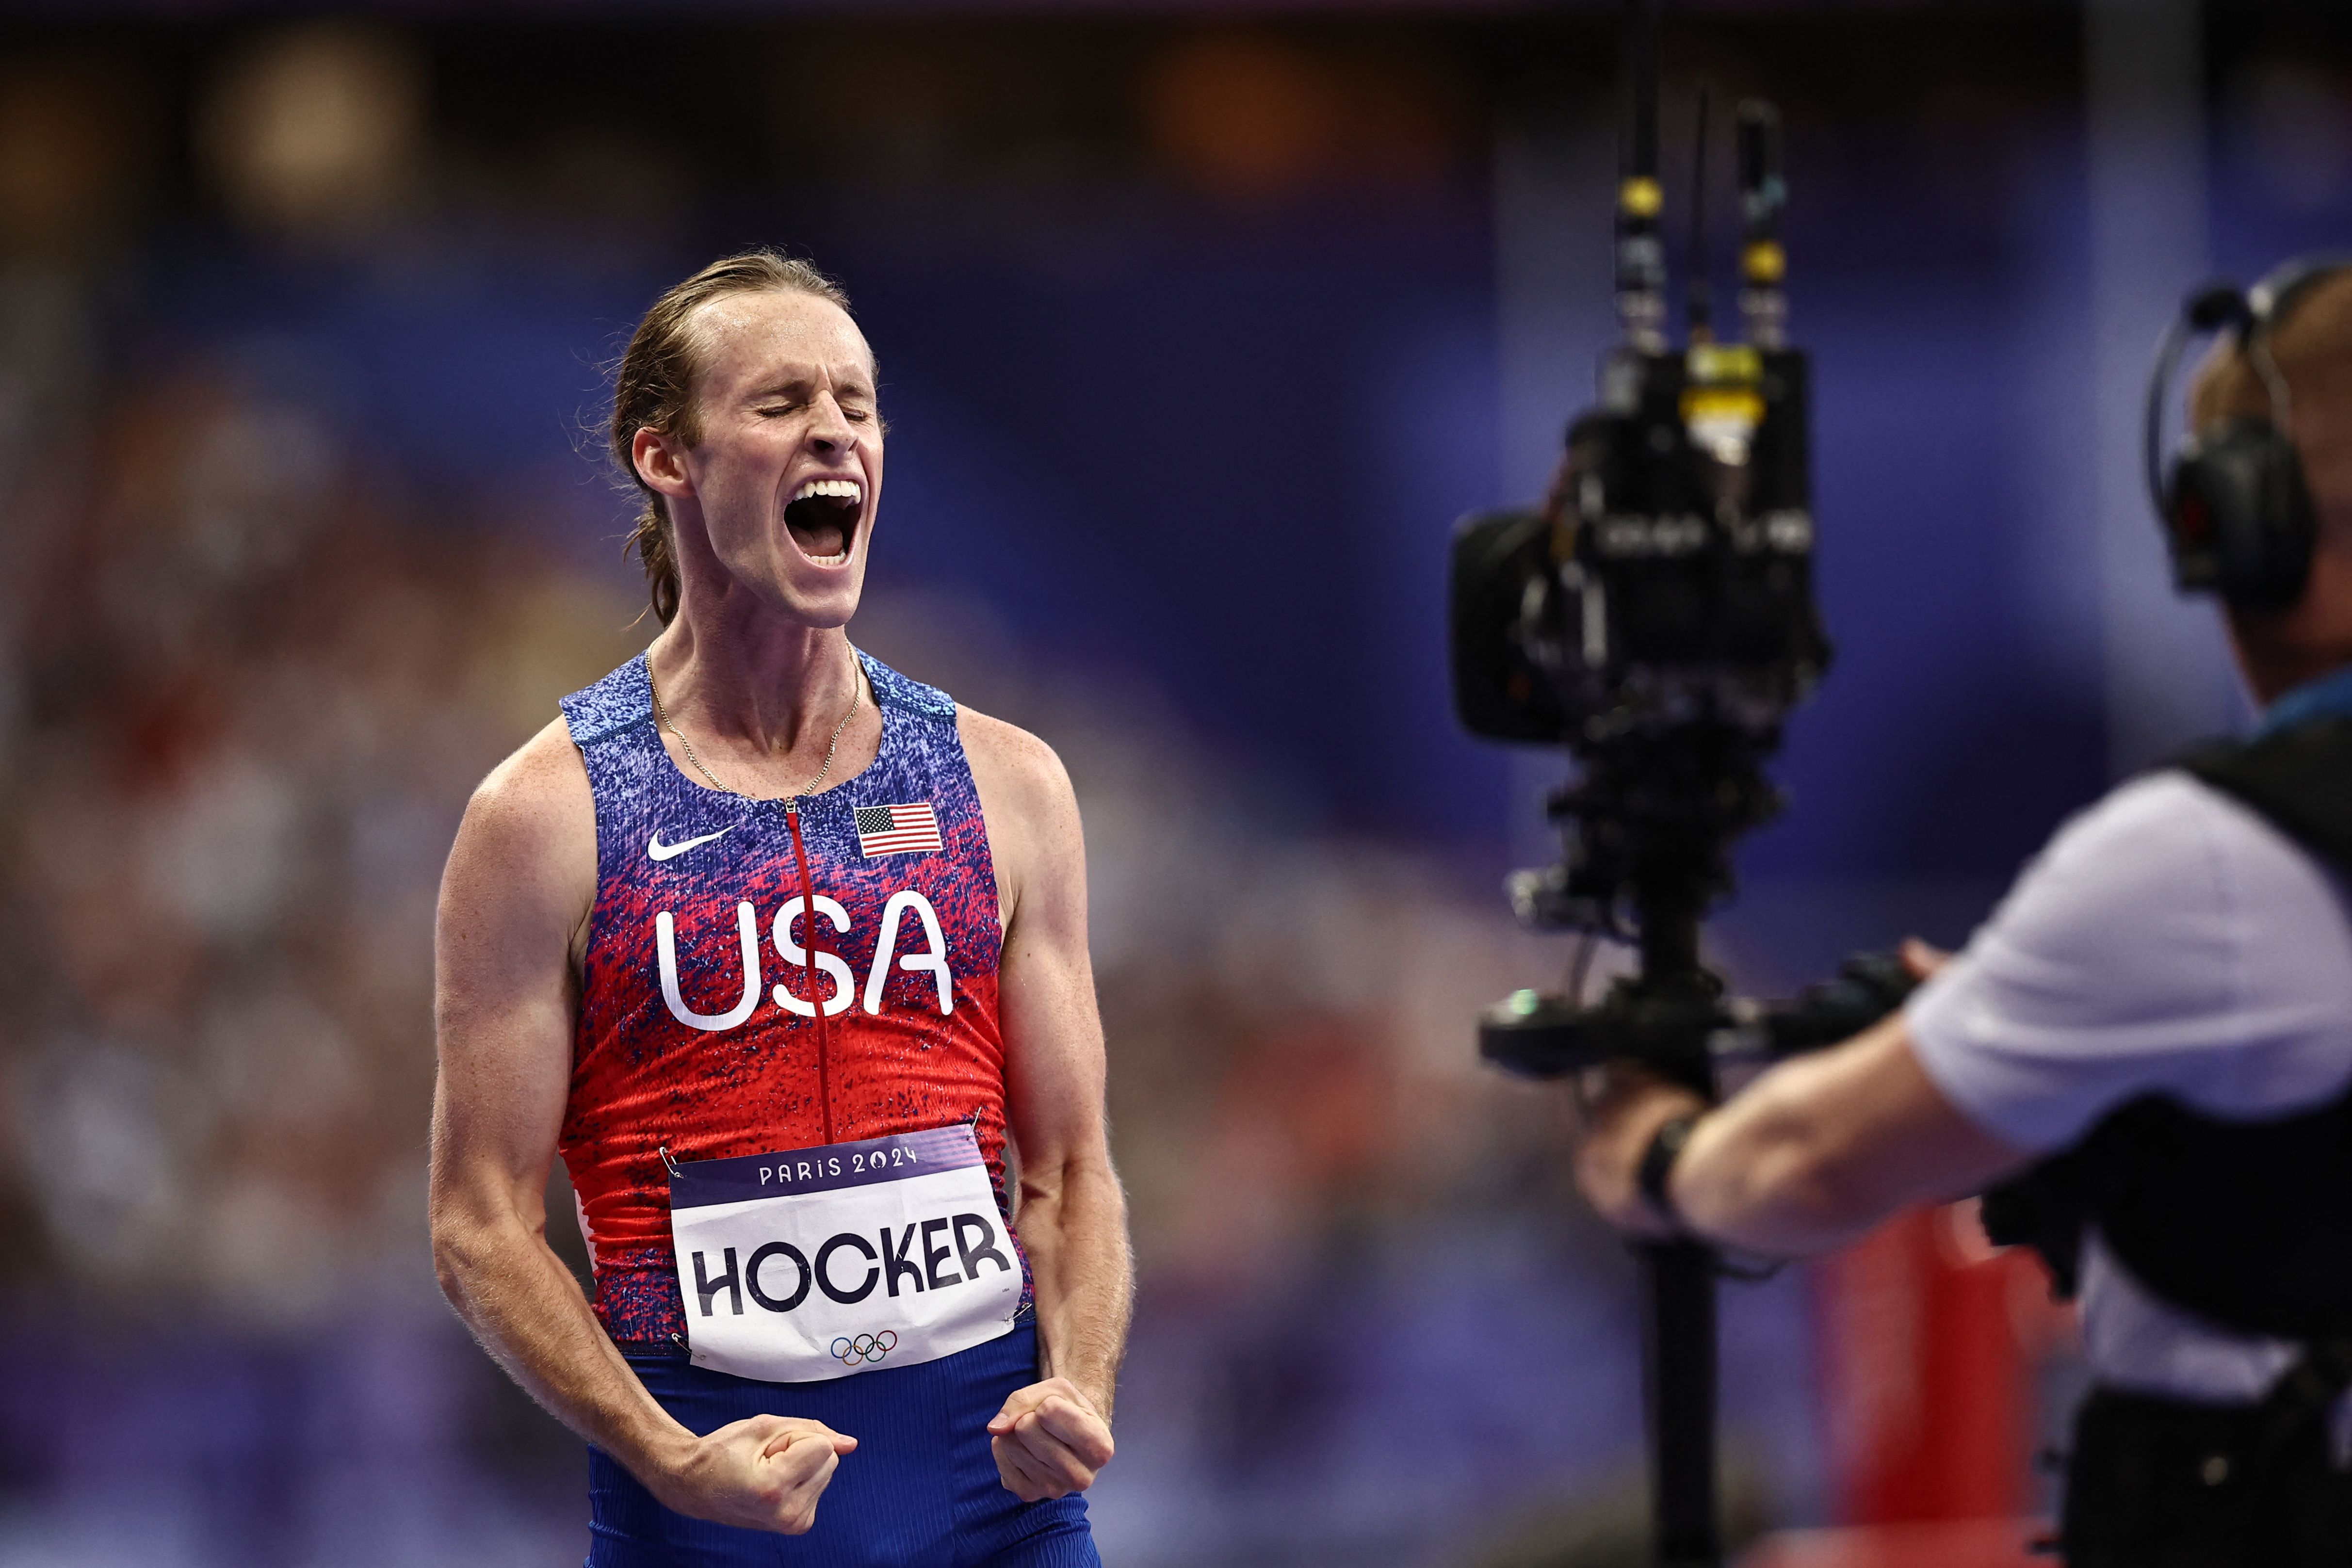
pixel 831 746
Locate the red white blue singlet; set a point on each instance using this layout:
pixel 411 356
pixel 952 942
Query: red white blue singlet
pixel 699 1030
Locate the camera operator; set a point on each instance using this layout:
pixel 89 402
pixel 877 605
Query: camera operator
pixel 2151 1039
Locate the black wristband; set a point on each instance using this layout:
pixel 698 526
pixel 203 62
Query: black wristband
pixel 1658 1163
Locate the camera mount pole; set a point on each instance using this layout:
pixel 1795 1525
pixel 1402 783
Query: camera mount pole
pixel 1678 1278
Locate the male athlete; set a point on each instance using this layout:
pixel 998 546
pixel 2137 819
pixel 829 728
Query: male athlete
pixel 779 948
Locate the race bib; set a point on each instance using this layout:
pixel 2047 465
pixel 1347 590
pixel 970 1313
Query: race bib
pixel 820 1262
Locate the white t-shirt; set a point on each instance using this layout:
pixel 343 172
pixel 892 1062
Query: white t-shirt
pixel 2170 940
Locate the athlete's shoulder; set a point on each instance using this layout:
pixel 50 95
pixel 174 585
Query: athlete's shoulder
pixel 522 878
pixel 534 808
pixel 1009 757
pixel 1033 830
pixel 543 772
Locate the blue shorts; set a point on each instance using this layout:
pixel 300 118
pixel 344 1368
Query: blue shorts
pixel 920 1490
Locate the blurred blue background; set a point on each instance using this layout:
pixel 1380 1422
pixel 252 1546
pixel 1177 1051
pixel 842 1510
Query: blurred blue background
pixel 1199 326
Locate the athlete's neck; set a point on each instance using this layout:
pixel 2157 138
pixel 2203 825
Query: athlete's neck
pixel 776 687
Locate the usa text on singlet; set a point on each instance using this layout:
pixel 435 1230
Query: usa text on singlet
pixel 736 1016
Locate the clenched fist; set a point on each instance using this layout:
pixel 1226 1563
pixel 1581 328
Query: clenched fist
pixel 764 1472
pixel 1049 1440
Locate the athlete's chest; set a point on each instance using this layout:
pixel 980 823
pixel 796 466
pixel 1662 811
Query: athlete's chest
pixel 731 912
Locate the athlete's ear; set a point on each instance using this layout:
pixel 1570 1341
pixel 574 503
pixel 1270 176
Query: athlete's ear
pixel 660 462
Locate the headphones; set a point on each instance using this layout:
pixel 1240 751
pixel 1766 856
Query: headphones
pixel 2236 513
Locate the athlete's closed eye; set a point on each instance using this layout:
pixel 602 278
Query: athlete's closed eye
pixel 859 408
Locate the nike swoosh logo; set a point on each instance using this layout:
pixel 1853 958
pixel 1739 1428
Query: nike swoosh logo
pixel 656 850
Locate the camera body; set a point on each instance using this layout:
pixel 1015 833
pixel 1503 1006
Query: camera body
pixel 1657 622
pixel 1655 619
pixel 1671 586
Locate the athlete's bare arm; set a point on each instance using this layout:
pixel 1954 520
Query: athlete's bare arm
pixel 1052 1436
pixel 514 910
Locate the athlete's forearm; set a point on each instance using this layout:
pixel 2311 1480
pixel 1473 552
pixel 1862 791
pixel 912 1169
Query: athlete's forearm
pixel 524 1307
pixel 1074 1227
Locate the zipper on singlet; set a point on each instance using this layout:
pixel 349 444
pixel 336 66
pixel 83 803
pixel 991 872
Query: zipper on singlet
pixel 824 1024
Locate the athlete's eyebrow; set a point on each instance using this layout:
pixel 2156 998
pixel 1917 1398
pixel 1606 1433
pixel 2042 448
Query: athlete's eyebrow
pixel 799 384
pixel 792 384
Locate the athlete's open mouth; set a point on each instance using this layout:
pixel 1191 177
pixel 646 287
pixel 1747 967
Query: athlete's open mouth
pixel 822 517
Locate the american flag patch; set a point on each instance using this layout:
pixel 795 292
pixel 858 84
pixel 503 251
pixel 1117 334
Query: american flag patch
pixel 898 830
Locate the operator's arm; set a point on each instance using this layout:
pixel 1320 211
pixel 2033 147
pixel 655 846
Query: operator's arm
pixel 515 900
pixel 2167 942
pixel 1809 1157
pixel 1051 1438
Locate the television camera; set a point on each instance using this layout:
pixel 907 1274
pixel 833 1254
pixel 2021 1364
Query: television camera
pixel 1656 618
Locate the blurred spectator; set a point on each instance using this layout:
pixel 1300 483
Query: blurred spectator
pixel 317 132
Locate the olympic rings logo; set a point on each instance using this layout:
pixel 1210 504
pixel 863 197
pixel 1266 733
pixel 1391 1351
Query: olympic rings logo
pixel 865 1347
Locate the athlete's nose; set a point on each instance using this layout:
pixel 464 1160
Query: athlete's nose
pixel 830 431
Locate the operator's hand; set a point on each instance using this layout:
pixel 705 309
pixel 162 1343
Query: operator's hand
pixel 1619 1107
pixel 1049 1440
pixel 764 1472
pixel 1921 959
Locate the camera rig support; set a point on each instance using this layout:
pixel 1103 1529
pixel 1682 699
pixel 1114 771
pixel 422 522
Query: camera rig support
pixel 1658 621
